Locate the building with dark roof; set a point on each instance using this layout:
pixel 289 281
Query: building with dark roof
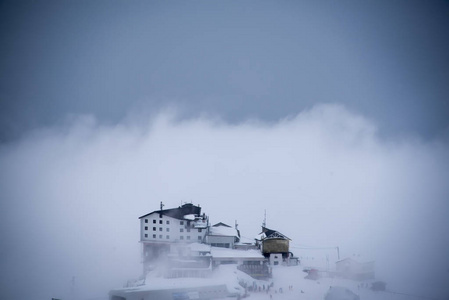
pixel 161 228
pixel 273 242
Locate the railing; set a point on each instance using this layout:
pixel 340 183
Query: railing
pixel 256 271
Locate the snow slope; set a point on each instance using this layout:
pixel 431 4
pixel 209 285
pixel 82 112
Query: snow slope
pixel 288 279
pixel 305 289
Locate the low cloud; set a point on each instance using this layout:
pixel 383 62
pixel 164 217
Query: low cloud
pixel 71 195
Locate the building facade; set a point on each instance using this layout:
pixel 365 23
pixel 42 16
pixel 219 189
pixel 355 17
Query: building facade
pixel 159 229
pixel 222 235
pixel 352 269
pixel 273 242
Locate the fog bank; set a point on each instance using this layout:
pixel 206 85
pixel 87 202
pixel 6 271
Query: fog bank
pixel 71 194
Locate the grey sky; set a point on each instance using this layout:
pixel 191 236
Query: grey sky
pixel 332 116
pixel 388 60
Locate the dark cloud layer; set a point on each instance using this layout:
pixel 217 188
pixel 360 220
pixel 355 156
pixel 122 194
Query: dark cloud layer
pixel 71 195
pixel 387 60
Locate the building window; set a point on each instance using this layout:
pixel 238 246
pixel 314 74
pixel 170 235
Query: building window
pixel 146 235
pixel 154 236
pixel 188 229
pixel 188 237
pixel 160 221
pixel 199 238
pixel 181 230
pixel 181 238
pixel 168 237
pixel 199 229
pixel 160 236
pixel 154 221
pixel 146 220
pixel 146 227
pixel 181 222
pixel 154 228
pixel 160 228
pixel 168 229
pixel 222 245
pixel 168 222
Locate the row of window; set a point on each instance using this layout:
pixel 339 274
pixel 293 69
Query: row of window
pixel 222 245
pixel 166 222
pixel 160 229
pixel 160 221
pixel 168 229
pixel 188 230
pixel 168 237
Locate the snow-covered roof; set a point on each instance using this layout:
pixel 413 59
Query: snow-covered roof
pixel 245 240
pixel 190 217
pixel 218 252
pixel 223 231
pixel 272 234
pixel 221 224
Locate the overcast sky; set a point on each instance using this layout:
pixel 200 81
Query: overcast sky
pixel 331 116
pixel 388 60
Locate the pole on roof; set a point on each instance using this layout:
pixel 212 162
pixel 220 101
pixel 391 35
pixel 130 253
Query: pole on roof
pixel 264 224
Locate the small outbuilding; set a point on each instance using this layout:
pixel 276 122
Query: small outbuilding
pixel 273 242
pixel 222 235
pixel 352 269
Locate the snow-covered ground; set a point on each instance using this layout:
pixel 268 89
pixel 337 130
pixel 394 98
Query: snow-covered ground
pixel 287 283
pixel 305 289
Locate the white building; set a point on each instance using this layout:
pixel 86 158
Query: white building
pixel 159 229
pixel 179 241
pixel 252 262
pixel 353 269
pixel 222 235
